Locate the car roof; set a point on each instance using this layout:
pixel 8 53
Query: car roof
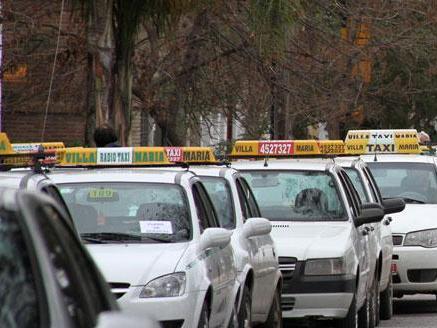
pixel 118 175
pixel 309 164
pixel 212 170
pixel 418 158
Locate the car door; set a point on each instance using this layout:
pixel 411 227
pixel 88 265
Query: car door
pixel 25 300
pixel 84 293
pixel 262 248
pixel 361 241
pixel 384 230
pixel 220 263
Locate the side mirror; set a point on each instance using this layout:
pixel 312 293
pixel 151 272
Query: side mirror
pixel 215 237
pixel 116 319
pixel 370 213
pixel 256 227
pixel 393 205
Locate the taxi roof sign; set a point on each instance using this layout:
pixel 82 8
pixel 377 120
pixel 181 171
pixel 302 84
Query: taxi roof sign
pixel 135 156
pixel 33 147
pixel 404 141
pixel 286 148
pixel 23 155
pixel 117 156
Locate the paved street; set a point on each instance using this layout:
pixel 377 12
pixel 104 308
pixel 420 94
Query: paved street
pixel 414 312
pixel 410 312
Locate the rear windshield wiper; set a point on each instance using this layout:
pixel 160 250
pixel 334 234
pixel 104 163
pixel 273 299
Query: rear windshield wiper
pixel 412 200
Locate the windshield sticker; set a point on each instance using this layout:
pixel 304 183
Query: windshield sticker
pixel 157 227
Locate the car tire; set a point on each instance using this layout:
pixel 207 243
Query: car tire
pixel 386 303
pixel 351 319
pixel 364 312
pixel 245 311
pixel 274 319
pixel 233 321
pixel 204 316
pixel 374 304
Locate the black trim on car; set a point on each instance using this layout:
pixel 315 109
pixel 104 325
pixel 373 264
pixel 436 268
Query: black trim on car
pixel 301 284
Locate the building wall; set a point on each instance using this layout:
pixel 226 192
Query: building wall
pixel 27 127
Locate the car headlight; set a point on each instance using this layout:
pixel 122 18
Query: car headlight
pixel 170 285
pixel 424 238
pixel 321 267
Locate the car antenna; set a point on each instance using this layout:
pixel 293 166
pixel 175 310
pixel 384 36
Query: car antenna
pixel 266 163
pixel 375 159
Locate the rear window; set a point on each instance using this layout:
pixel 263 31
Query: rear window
pixel 296 195
pixel 128 212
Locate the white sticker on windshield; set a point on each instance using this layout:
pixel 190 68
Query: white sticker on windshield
pixel 163 227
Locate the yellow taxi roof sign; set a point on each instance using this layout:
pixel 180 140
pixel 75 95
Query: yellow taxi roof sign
pixel 34 146
pixel 5 145
pixel 331 147
pixel 403 141
pixel 117 156
pixel 191 155
pixel 279 148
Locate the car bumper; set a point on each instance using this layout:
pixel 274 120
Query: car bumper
pixel 416 270
pixel 317 305
pixel 180 312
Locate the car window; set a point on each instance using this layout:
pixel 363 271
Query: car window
pixel 221 197
pixel 376 194
pixel 358 183
pixel 53 192
pixel 414 182
pixel 351 193
pixel 129 212
pixel 296 195
pixel 243 201
pixel 205 208
pixel 19 298
pixel 80 290
pixel 251 201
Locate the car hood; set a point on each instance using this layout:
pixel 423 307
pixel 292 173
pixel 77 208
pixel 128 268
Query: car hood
pixel 305 240
pixel 414 217
pixel 136 264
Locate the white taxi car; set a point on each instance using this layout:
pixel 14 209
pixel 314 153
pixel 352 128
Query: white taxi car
pixel 318 229
pixel 154 235
pixel 400 171
pixel 380 236
pixel 254 251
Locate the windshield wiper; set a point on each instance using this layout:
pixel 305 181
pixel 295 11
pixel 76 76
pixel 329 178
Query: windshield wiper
pixel 91 240
pixel 160 240
pixel 412 200
pixel 111 236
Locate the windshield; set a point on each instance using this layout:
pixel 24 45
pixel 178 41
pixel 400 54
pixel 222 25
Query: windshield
pixel 296 195
pixel 358 183
pixel 414 182
pixel 221 197
pixel 128 212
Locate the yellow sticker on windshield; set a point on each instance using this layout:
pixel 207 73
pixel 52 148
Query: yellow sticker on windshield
pixel 101 193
